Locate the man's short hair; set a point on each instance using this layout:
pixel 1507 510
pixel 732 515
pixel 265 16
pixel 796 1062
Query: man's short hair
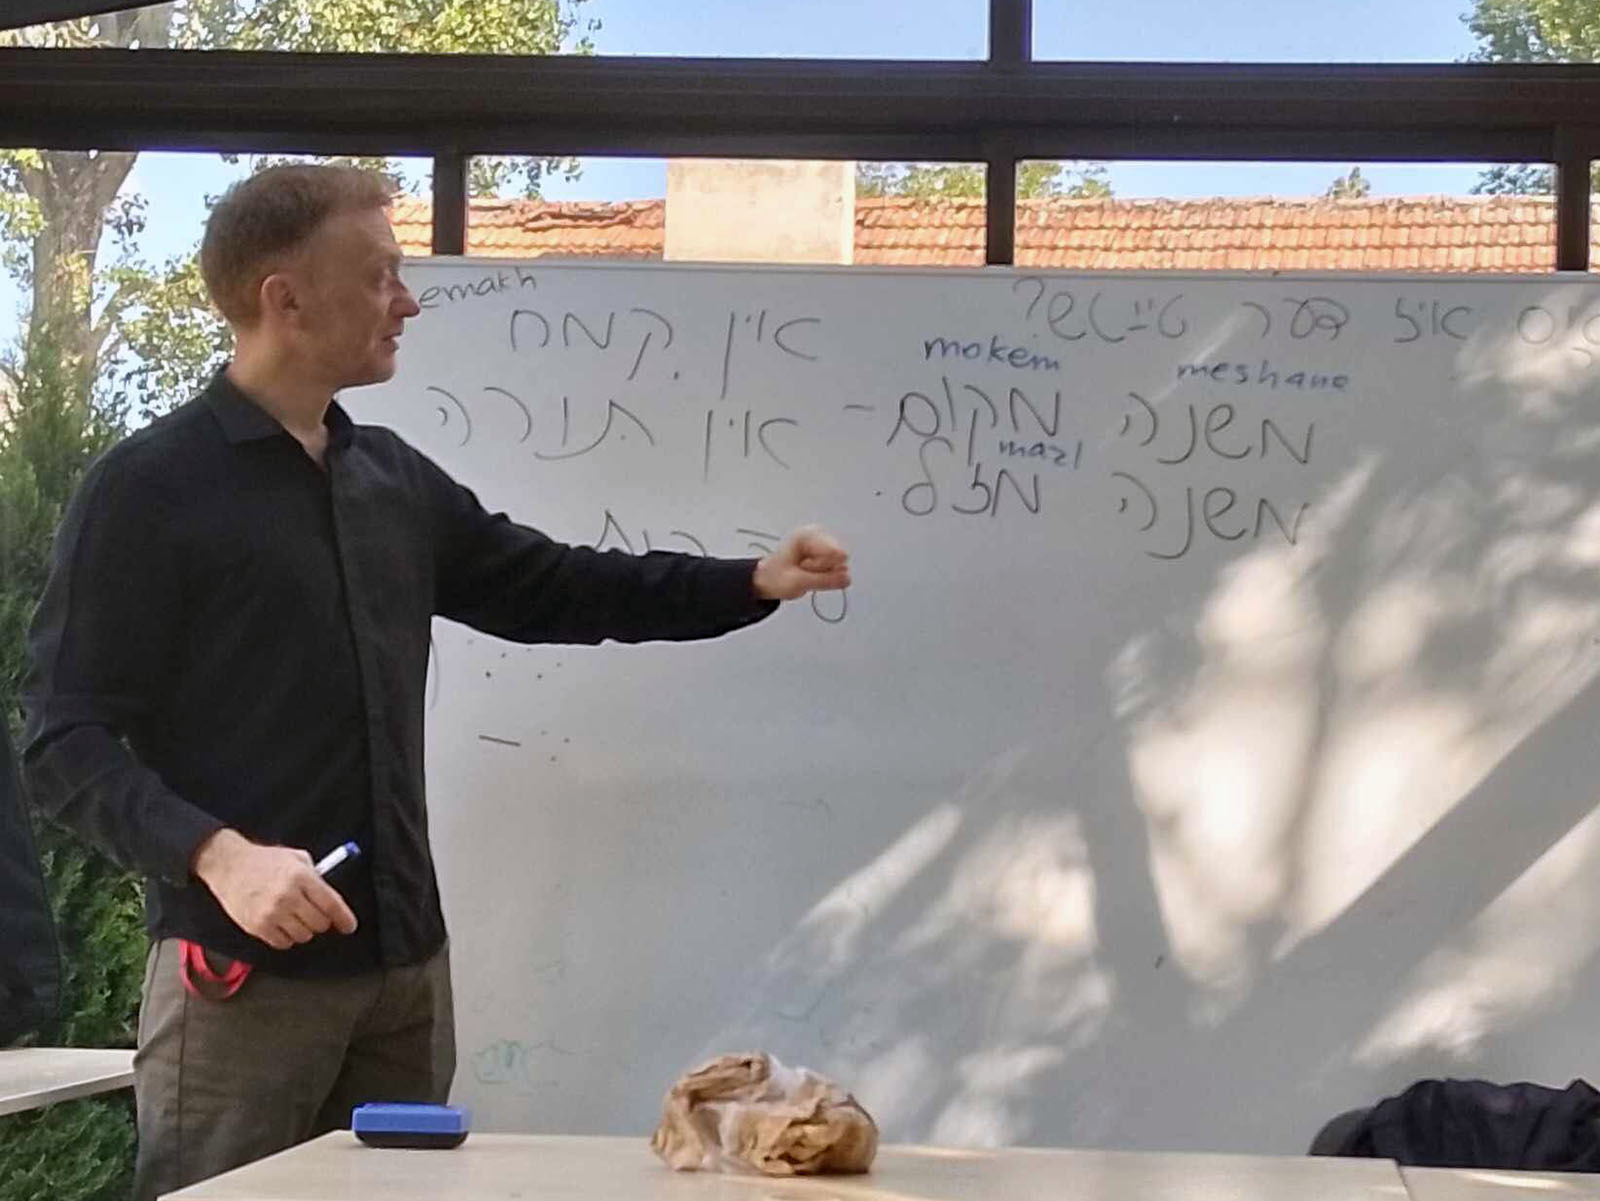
pixel 263 219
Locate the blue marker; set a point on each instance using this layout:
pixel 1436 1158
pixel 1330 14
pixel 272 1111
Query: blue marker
pixel 337 856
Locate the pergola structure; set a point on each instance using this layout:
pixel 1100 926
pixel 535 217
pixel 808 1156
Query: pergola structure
pixel 998 111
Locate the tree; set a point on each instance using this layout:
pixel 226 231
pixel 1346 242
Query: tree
pixel 948 181
pixel 1532 31
pixel 77 1150
pixel 56 207
pixel 1353 186
pixel 1535 31
pixel 1516 179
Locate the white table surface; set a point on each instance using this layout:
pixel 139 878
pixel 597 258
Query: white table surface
pixel 35 1076
pixel 503 1167
pixel 1483 1184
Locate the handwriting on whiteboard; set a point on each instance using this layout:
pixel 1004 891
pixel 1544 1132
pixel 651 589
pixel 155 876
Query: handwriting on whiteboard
pixel 989 421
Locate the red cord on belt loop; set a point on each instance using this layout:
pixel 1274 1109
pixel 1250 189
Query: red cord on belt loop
pixel 192 963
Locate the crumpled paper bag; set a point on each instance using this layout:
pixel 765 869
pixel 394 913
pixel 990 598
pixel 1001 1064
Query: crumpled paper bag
pixel 751 1113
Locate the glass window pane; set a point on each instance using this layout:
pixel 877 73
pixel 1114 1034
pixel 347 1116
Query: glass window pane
pixel 143 328
pixel 1255 31
pixel 590 208
pixel 1369 217
pixel 727 210
pixel 336 26
pixel 911 29
pixel 920 214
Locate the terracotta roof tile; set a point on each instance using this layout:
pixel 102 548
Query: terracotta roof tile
pixel 532 228
pixel 1487 233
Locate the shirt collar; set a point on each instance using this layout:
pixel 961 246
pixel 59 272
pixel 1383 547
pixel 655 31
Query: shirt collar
pixel 242 420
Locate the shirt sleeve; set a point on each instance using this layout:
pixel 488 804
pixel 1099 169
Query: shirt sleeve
pixel 515 582
pixel 100 652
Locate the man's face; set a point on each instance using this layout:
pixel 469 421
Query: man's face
pixel 352 303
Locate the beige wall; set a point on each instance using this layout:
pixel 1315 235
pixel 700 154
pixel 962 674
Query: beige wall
pixel 760 210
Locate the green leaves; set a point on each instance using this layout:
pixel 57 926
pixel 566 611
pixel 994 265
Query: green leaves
pixel 174 339
pixel 1536 30
pixel 1516 179
pixel 75 1151
pixel 490 176
pixel 78 1151
pixel 380 26
pixel 149 329
pixel 1532 31
pixel 948 181
pixel 1352 186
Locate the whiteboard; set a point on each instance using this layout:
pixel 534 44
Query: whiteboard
pixel 1208 743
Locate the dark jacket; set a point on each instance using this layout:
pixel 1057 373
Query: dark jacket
pixel 1476 1124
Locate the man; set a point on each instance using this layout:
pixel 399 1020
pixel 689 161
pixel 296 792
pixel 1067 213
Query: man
pixel 227 680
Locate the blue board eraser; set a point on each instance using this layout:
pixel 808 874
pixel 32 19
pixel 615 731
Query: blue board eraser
pixel 420 1127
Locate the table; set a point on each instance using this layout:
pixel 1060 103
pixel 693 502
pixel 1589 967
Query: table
pixel 1484 1184
pixel 503 1167
pixel 34 1076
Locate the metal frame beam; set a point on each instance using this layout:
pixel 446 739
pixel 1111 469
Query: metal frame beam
pixel 450 203
pixel 1574 152
pixel 161 99
pixel 1010 32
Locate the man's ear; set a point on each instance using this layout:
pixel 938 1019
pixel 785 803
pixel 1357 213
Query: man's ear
pixel 279 298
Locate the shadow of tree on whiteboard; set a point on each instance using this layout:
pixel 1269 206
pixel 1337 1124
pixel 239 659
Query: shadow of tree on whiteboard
pixel 1347 839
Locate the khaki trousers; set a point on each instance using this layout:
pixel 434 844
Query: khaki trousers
pixel 219 1083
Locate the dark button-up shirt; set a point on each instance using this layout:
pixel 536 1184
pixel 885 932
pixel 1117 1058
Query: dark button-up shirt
pixel 233 636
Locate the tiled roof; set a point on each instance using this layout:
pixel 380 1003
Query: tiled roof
pixel 1478 233
pixel 634 229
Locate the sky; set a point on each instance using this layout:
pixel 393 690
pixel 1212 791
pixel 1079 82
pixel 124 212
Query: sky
pixel 176 185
